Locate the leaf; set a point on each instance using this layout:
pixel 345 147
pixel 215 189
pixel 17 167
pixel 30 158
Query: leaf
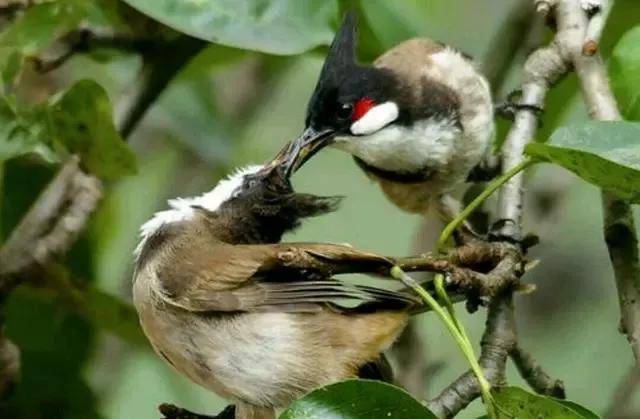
pixel 273 26
pixel 606 154
pixel 624 72
pixel 514 402
pixel 81 121
pixel 357 399
pixel 20 134
pixel 581 410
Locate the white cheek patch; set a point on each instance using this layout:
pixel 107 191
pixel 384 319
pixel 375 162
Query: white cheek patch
pixel 375 119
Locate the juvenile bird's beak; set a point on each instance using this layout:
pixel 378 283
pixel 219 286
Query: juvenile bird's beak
pixel 298 151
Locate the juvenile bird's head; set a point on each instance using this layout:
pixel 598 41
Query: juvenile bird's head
pixel 255 204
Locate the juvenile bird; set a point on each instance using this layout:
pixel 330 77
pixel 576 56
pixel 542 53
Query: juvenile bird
pixel 417 121
pixel 257 321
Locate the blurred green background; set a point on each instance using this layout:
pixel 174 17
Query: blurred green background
pixel 232 107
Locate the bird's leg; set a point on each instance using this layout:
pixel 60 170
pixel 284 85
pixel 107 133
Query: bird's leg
pixel 170 411
pixel 447 208
pixel 508 108
pixel 488 168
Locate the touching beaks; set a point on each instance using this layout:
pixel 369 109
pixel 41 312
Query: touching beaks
pixel 299 151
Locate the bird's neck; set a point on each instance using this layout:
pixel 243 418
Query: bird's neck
pixel 405 148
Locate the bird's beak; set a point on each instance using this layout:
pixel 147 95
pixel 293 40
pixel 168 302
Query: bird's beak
pixel 298 151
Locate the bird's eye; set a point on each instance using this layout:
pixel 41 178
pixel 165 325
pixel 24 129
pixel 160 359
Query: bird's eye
pixel 344 111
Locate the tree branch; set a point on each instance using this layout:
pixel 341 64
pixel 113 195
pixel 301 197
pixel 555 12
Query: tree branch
pixel 508 43
pixel 534 375
pixel 577 23
pixel 82 41
pixel 543 68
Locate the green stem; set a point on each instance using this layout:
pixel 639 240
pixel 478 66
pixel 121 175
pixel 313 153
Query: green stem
pixel 493 186
pixel 451 324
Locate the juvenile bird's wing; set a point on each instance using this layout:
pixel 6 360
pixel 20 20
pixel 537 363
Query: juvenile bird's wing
pixel 281 277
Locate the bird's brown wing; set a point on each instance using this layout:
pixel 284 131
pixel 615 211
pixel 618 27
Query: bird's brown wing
pixel 286 277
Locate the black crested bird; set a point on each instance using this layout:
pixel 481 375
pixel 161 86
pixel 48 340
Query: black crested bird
pixel 257 321
pixel 417 121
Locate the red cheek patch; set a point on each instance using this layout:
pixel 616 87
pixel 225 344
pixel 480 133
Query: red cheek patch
pixel 361 107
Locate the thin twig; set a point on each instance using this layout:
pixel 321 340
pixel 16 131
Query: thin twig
pixel 158 69
pixel 82 41
pixel 619 225
pixel 619 405
pixel 534 375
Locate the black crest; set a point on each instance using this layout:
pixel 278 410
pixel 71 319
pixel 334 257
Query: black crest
pixel 339 63
pixel 342 52
pixel 343 81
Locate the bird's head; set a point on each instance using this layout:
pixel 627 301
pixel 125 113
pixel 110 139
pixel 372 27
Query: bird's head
pixel 349 99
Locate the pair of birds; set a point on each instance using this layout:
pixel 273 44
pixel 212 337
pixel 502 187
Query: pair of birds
pixel 258 321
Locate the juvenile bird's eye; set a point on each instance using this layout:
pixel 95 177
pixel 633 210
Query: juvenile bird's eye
pixel 344 111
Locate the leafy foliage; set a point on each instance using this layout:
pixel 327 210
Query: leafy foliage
pixel 603 153
pixel 357 399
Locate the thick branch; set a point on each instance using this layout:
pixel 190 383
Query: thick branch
pixel 542 69
pixel 619 226
pixel 498 339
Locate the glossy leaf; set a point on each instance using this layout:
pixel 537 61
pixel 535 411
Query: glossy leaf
pixel 514 402
pixel 625 73
pixel 82 121
pixel 273 26
pixel 606 154
pixel 357 399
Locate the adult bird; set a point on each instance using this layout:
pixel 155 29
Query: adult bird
pixel 417 120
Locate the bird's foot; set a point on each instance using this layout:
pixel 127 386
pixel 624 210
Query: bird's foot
pixel 170 411
pixel 512 105
pixel 501 231
pixel 488 169
pixel 482 270
pixel 466 234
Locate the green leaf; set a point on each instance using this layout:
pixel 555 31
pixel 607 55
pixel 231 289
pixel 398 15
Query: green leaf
pixel 606 154
pixel 81 121
pixel 273 26
pixel 357 399
pixel 514 402
pixel 20 134
pixel 625 73
pixel 581 410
